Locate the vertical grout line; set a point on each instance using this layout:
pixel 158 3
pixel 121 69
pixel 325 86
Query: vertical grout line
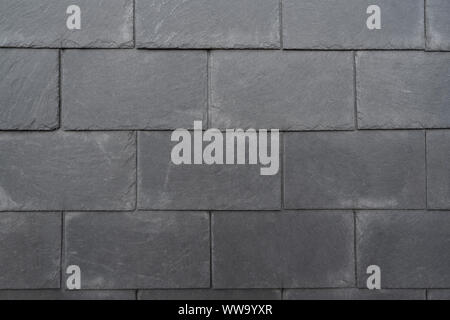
pixel 208 87
pixel 355 92
pixel 426 294
pixel 210 251
pixel 355 253
pixel 280 21
pixel 136 172
pixel 282 166
pixel 59 87
pixel 425 24
pixel 136 294
pixel 134 23
pixel 62 262
pixel 426 171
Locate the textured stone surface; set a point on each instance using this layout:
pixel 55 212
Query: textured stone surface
pixel 139 250
pixel 410 247
pixel 282 249
pixel 207 24
pixel 341 24
pixel 164 185
pixel 30 250
pixel 438 169
pixel 67 295
pixel 353 294
pixel 438 24
pixel 403 90
pixel 67 171
pixel 129 89
pixel 440 294
pixel 210 294
pixel 365 169
pixel 25 103
pixel 288 90
pixel 42 23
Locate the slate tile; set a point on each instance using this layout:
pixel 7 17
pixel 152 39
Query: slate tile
pixel 410 247
pixel 29 95
pixel 43 23
pixel 345 170
pixel 353 294
pixel 282 249
pixel 131 89
pixel 207 24
pixel 30 251
pixel 438 24
pixel 164 185
pixel 342 24
pixel 67 171
pixel 400 90
pixel 287 90
pixel 210 294
pixel 116 250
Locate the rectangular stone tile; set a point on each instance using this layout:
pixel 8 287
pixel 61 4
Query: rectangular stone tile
pixel 282 249
pixel 30 250
pixel 287 90
pixel 343 24
pixel 438 24
pixel 67 295
pixel 131 89
pixel 29 89
pixel 44 23
pixel 67 171
pixel 412 248
pixel 207 24
pixel 139 249
pixel 364 169
pixel 210 294
pixel 403 90
pixel 441 294
pixel 438 169
pixel 353 294
pixel 164 185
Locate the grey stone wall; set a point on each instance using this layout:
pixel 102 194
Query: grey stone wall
pixel 85 171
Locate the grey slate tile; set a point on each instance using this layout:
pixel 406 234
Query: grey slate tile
pixel 438 24
pixel 67 295
pixel 133 89
pixel 164 185
pixel 67 171
pixel 282 249
pixel 30 250
pixel 29 89
pixel 438 169
pixel 207 24
pixel 287 90
pixel 42 23
pixel 353 294
pixel 341 24
pixel 210 294
pixel 410 247
pixel 361 169
pixel 440 294
pixel 403 89
pixel 134 250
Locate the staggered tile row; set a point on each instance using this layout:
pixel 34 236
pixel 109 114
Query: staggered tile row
pixel 87 171
pixel 287 90
pixel 292 24
pixel 169 250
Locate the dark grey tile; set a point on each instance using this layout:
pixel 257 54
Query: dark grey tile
pixel 134 250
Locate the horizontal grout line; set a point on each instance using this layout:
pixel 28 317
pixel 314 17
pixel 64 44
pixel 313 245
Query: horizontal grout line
pixel 234 49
